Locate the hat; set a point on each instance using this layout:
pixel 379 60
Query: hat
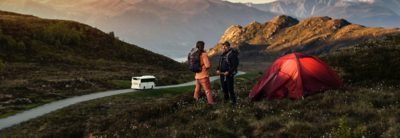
pixel 226 43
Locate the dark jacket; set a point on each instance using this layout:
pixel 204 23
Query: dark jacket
pixel 229 61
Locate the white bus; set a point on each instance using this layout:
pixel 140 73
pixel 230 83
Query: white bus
pixel 143 82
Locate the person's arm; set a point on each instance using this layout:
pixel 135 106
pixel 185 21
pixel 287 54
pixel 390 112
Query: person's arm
pixel 206 62
pixel 219 67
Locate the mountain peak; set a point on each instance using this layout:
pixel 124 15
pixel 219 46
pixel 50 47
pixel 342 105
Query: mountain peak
pixel 284 21
pixel 339 23
pixel 253 23
pixel 317 19
pixel 232 33
pixel 324 22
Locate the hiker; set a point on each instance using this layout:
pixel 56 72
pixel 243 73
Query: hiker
pixel 227 69
pixel 198 57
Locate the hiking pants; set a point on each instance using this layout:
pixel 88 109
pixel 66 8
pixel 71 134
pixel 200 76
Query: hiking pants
pixel 227 88
pixel 205 83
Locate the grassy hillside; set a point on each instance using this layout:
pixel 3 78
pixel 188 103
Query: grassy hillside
pixel 43 60
pixel 349 112
pixel 30 39
pixel 368 62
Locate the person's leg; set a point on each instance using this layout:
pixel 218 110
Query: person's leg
pixel 207 88
pixel 224 87
pixel 230 83
pixel 196 90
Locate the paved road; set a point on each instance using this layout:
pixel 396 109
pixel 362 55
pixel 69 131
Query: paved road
pixel 53 106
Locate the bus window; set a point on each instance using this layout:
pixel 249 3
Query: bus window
pixel 148 80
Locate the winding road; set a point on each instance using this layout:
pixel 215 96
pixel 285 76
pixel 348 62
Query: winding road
pixel 53 106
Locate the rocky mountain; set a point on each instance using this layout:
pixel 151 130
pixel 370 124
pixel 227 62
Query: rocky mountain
pixel 382 13
pixel 169 27
pixel 311 35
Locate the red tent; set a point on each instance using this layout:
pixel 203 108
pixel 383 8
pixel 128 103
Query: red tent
pixel 295 75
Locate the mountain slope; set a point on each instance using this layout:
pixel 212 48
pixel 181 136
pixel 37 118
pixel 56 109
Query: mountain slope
pixel 169 27
pixel 31 39
pixel 369 13
pixel 43 60
pixel 311 35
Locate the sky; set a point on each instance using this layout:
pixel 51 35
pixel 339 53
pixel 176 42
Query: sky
pixel 252 1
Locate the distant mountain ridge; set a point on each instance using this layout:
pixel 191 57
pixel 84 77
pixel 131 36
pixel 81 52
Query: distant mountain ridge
pixel 170 27
pixel 383 13
pixel 311 35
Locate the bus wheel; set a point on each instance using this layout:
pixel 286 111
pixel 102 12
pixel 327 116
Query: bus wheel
pixel 152 87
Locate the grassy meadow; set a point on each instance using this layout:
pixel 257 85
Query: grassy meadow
pixel 352 111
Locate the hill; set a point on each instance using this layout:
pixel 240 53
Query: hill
pixel 313 35
pixel 170 27
pixel 43 60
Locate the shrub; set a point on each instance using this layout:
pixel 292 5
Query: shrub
pixel 344 131
pixel 375 61
pixel 61 33
pixel 2 65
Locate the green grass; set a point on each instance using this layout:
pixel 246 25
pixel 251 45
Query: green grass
pixel 9 113
pixel 121 84
pixel 349 112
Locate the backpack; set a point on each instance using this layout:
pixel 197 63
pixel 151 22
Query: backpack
pixel 235 59
pixel 194 61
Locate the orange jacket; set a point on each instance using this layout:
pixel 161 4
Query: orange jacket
pixel 205 65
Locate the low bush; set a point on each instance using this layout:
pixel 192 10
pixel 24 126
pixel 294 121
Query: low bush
pixel 374 61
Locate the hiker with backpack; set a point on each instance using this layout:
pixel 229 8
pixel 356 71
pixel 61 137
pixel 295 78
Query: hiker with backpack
pixel 199 64
pixel 227 69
